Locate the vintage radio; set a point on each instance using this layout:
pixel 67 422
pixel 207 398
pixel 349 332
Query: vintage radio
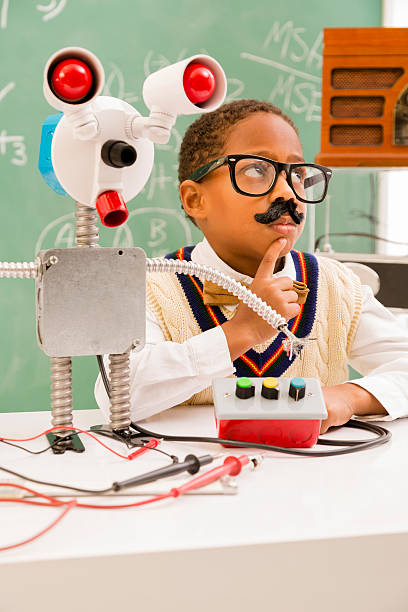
pixel 364 97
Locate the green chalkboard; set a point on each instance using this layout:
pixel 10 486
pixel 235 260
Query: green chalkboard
pixel 269 49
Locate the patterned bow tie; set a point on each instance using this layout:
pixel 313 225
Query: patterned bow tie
pixel 214 295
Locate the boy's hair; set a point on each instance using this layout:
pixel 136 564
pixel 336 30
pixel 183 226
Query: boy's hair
pixel 205 138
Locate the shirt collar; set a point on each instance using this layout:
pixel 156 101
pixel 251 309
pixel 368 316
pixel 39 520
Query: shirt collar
pixel 204 254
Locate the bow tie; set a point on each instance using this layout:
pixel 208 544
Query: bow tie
pixel 214 295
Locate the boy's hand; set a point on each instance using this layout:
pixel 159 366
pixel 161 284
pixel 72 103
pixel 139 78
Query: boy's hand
pixel 247 328
pixel 345 400
pixel 339 406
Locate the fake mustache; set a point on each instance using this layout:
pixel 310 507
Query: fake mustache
pixel 277 209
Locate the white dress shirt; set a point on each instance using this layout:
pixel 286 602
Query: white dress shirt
pixel 164 374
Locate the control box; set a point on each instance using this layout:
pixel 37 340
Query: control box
pixel 284 412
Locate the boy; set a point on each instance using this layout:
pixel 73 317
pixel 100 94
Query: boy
pixel 244 183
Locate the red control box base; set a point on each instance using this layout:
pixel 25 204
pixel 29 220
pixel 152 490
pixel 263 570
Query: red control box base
pixel 283 432
pixel 285 412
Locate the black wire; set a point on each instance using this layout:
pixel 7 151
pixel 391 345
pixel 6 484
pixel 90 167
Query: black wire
pixel 113 436
pixel 62 486
pixel 54 484
pixel 104 375
pixel 383 435
pixel 28 450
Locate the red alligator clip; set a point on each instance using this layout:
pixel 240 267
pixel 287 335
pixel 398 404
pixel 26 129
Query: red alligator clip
pixel 151 444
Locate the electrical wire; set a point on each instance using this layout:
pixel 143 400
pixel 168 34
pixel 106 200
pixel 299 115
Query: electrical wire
pixel 114 436
pixel 54 484
pixel 383 435
pixel 27 450
pixel 73 429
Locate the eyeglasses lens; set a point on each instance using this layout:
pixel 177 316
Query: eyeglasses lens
pixel 308 182
pixel 254 176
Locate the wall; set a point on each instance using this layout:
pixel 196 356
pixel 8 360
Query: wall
pixel 269 50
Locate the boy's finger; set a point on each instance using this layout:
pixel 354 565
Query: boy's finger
pixel 268 263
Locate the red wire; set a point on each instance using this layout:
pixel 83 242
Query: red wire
pixel 88 433
pixel 229 465
pixel 52 503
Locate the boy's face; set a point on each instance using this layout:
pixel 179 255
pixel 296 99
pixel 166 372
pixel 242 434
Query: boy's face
pixel 227 218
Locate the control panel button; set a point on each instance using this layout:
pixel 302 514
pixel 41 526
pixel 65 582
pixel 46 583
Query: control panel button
pixel 244 388
pixel 270 388
pixel 297 388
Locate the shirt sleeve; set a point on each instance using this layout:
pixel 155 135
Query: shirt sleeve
pixel 380 354
pixel 164 374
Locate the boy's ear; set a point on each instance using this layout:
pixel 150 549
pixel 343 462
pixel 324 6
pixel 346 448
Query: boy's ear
pixel 192 199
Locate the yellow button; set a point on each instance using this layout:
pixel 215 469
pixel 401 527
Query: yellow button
pixel 270 382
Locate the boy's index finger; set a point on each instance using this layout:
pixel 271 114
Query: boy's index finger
pixel 267 266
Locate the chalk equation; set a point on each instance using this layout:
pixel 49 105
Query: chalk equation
pixel 49 11
pixel 13 147
pixel 156 230
pixel 115 85
pixel 52 9
pixel 4 7
pixel 295 90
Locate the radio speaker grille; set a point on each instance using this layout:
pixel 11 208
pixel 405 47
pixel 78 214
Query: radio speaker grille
pixel 357 106
pixel 363 135
pixel 365 78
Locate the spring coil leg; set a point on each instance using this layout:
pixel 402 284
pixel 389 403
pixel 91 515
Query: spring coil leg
pixel 87 233
pixel 119 366
pixel 61 393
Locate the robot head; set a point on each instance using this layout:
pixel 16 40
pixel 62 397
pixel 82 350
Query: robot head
pixel 100 150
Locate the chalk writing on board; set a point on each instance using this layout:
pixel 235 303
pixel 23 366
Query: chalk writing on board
pixel 157 226
pixel 159 178
pixel 291 38
pixel 3 14
pixel 295 90
pixel 52 9
pixel 13 146
pixel 235 87
pixel 115 85
pixel 60 234
pixel 153 62
pixel 150 228
pixel 6 90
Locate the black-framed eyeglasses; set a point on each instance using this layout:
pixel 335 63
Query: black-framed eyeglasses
pixel 254 176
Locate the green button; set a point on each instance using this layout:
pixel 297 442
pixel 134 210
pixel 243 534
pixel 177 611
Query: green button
pixel 244 382
pixel 298 382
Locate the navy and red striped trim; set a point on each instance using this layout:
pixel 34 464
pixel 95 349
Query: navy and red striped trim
pixel 273 361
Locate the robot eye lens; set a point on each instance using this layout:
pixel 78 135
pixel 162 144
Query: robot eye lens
pixel 118 154
pixel 198 83
pixel 71 80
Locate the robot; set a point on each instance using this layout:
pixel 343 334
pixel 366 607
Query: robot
pixel 100 150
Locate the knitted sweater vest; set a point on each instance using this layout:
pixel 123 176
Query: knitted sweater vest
pixel 330 315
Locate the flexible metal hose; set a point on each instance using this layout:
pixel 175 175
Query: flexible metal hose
pixel 292 344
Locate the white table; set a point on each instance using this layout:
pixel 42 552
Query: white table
pixel 301 533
